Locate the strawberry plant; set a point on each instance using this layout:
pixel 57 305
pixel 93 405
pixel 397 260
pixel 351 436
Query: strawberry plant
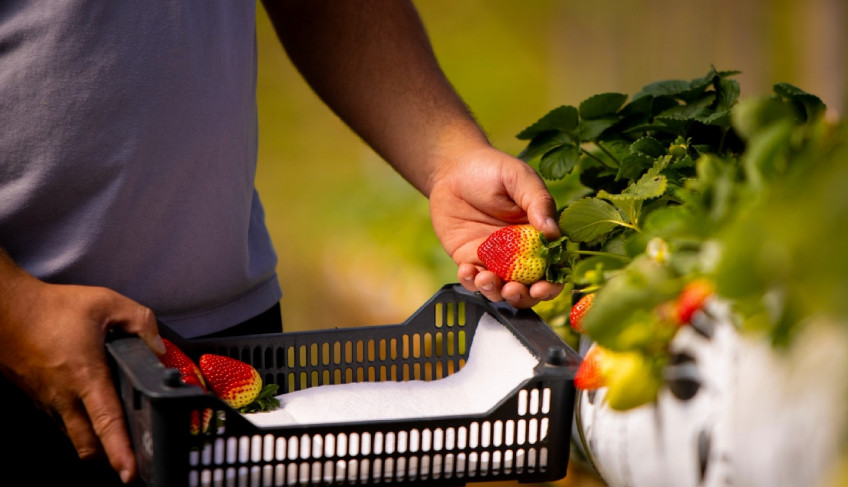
pixel 657 194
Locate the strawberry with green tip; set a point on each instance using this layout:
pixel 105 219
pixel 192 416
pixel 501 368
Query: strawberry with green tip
pixel 521 253
pixel 631 378
pixel 238 384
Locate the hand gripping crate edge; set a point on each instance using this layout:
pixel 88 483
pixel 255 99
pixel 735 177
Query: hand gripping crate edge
pixel 526 437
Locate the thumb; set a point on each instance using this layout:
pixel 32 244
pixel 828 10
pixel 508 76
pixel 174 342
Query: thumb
pixel 541 208
pixel 529 191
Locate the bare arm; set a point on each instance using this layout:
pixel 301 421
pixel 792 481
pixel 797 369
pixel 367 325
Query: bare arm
pixel 52 339
pixel 372 63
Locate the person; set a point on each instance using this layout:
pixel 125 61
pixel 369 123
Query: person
pixel 127 159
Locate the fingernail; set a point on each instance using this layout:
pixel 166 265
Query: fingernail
pixel 551 223
pixel 126 476
pixel 487 287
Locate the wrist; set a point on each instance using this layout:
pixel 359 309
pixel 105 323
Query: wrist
pixel 453 148
pixel 16 285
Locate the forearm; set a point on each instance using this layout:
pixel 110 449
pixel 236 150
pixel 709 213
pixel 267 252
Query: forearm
pixel 372 63
pixel 12 280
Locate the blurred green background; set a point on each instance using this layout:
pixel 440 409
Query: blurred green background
pixel 354 239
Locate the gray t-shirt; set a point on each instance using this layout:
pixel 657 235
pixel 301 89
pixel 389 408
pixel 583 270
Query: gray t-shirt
pixel 128 153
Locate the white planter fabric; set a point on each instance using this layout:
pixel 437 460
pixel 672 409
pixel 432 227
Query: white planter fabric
pixel 735 412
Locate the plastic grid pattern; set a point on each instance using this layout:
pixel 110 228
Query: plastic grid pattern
pixel 526 437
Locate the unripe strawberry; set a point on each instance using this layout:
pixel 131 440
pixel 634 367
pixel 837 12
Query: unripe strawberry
pixel 579 309
pixel 631 380
pixel 518 253
pixel 630 377
pixel 237 383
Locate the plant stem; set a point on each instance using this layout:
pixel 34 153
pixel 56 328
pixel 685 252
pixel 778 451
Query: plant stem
pixel 608 153
pixel 625 224
pixel 597 252
pixel 598 159
pixel 723 137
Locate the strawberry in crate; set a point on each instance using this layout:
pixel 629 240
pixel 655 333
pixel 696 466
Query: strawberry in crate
pixel 238 384
pixel 235 382
pixel 174 358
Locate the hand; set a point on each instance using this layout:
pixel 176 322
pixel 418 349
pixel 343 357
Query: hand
pixel 475 195
pixel 53 348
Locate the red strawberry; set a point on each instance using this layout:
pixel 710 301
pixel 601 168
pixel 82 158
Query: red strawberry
pixel 200 424
pixel 692 298
pixel 520 253
pixel 237 383
pixel 174 358
pixel 579 310
pixel 590 373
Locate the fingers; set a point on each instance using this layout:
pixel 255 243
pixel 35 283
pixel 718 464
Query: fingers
pixel 106 416
pixel 134 318
pixel 515 293
pixel 95 425
pixel 530 192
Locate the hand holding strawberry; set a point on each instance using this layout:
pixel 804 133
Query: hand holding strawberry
pixel 484 189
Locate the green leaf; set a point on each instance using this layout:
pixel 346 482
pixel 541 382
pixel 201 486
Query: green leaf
pixel 638 106
pixel 673 221
pixel 588 219
pixel 638 289
pixel 672 125
pixel 810 105
pixel 563 119
pixel 633 165
pixel 692 110
pixel 629 205
pixel 647 187
pixel 765 157
pixel 601 105
pixel 592 129
pixel 728 94
pixel 698 85
pixel 542 144
pixel 557 163
pixel 649 147
pixel 752 116
pixel 671 88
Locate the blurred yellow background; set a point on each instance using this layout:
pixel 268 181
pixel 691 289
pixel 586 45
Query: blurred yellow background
pixel 354 240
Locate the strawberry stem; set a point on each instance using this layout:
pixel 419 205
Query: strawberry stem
pixel 623 258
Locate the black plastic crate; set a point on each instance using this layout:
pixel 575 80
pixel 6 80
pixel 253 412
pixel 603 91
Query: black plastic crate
pixel 526 437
